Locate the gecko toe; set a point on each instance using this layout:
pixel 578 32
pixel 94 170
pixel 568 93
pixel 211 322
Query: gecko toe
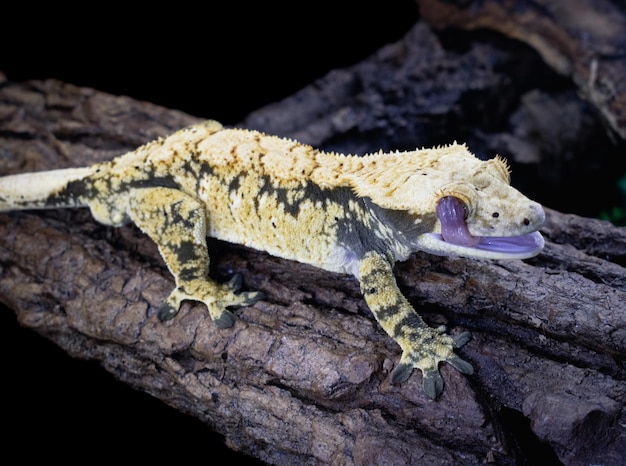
pixel 225 320
pixel 401 373
pixel 461 339
pixel 251 297
pixel 166 312
pixel 235 282
pixel 243 298
pixel 461 365
pixel 432 384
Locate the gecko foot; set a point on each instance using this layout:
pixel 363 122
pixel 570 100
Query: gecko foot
pixel 216 297
pixel 229 296
pixel 425 350
pixel 241 298
pixel 245 298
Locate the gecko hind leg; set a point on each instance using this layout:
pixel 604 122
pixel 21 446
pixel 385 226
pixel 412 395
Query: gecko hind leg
pixel 176 222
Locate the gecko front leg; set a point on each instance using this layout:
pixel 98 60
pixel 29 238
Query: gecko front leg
pixel 176 222
pixel 423 347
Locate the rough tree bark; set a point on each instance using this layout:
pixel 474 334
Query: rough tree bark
pixel 583 40
pixel 302 377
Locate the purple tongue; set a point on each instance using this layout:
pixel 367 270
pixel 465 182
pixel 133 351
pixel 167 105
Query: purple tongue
pixel 451 213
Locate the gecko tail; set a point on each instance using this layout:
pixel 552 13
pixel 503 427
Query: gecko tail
pixel 47 189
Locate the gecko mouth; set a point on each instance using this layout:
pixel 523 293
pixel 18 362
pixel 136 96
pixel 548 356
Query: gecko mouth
pixel 452 212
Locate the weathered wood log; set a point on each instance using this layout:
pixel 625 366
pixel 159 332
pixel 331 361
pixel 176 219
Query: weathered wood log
pixel 583 40
pixel 302 377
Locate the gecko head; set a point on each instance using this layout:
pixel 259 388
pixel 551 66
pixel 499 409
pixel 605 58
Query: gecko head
pixel 486 217
pixel 465 206
pixel 481 215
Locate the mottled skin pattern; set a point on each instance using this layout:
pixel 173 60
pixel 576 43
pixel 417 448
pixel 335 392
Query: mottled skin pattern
pixel 346 214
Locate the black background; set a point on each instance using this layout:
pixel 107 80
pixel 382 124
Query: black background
pixel 214 60
pixel 218 63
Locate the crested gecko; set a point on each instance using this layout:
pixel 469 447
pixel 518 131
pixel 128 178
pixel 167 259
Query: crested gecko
pixel 347 214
